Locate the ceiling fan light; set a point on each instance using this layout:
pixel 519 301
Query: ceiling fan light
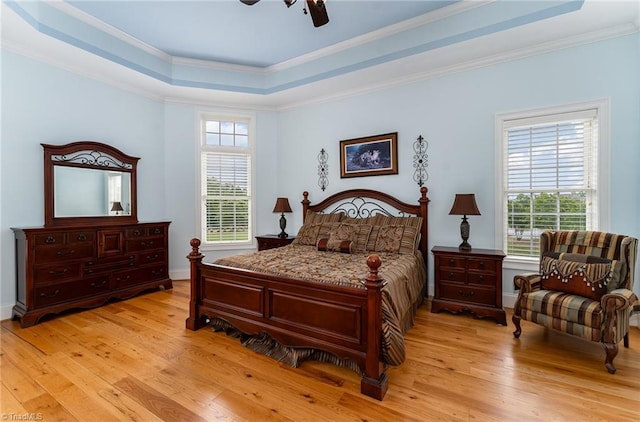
pixel 318 12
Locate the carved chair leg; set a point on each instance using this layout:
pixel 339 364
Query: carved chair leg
pixel 516 322
pixel 612 350
pixel 626 340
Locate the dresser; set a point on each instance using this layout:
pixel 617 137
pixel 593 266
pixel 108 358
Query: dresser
pixel 81 267
pixel 92 248
pixel 270 241
pixel 468 282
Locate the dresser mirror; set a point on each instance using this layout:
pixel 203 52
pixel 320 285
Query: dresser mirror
pixel 88 183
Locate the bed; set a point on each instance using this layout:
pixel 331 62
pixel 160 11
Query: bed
pixel 344 291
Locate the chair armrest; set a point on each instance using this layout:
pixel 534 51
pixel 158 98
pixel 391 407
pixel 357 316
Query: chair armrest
pixel 618 299
pixel 528 282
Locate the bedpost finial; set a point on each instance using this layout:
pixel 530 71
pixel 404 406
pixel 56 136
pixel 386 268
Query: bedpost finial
pixel 373 262
pixel 305 195
pixel 423 191
pixel 195 253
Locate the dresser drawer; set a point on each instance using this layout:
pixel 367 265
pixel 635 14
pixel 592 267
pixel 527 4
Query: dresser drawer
pixel 464 293
pixel 148 231
pixel 63 238
pixel 150 257
pixel 62 292
pixel 139 275
pixel 56 273
pixel 58 253
pixel 80 236
pixel 135 245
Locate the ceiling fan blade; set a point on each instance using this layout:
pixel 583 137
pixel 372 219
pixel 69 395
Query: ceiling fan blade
pixel 318 11
pixel 249 2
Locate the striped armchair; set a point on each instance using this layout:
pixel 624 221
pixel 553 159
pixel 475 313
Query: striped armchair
pixel 584 288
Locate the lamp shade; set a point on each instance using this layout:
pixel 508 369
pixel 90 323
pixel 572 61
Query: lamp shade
pixel 117 206
pixel 282 205
pixel 464 204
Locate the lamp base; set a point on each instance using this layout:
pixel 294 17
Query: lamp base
pixel 464 233
pixel 464 246
pixel 283 224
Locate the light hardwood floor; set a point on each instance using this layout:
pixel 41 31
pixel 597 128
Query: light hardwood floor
pixel 134 360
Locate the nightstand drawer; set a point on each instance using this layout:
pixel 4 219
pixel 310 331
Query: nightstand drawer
pixel 461 293
pixel 481 264
pixel 273 241
pixel 452 275
pixel 482 279
pixel 453 262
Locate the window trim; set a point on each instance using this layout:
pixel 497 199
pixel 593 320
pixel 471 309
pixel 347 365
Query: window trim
pixel 201 147
pixel 603 187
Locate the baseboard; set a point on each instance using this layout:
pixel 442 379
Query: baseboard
pixel 182 274
pixel 5 312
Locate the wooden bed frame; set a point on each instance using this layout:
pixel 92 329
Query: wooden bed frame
pixel 343 321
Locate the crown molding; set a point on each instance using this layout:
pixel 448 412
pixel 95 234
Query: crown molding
pixel 445 12
pixel 78 14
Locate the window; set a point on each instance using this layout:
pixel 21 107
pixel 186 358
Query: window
pixel 226 182
pixel 549 175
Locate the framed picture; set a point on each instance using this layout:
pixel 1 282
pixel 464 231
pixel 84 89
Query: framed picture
pixel 370 156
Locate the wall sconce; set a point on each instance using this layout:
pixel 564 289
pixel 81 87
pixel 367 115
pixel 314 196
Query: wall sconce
pixel 117 207
pixel 464 204
pixel 282 206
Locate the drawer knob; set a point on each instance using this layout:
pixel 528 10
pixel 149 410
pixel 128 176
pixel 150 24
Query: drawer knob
pixel 58 273
pixel 481 264
pixel 136 233
pixel 156 231
pixel 82 237
pixel 53 294
pixel 124 278
pixel 452 261
pixel 147 243
pixel 452 276
pixel 50 239
pixel 481 279
pixel 157 272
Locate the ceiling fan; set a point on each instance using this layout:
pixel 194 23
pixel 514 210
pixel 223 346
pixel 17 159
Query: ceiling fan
pixel 316 8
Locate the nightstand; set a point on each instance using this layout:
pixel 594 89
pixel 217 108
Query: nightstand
pixel 469 281
pixel 270 241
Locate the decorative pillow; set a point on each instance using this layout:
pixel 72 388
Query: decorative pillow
pixel 317 217
pixel 410 240
pixel 307 235
pixel 326 229
pixel 389 239
pixel 341 233
pixel 577 257
pixel 579 278
pixel 344 246
pixel 360 236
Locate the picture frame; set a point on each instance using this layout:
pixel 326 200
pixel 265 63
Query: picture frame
pixel 370 156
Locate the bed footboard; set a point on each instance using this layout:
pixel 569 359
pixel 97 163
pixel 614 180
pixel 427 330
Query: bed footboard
pixel 345 322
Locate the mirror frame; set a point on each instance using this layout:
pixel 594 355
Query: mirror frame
pixel 100 157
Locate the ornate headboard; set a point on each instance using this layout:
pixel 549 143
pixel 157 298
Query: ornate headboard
pixel 363 203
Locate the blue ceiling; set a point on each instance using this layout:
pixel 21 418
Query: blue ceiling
pixel 261 35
